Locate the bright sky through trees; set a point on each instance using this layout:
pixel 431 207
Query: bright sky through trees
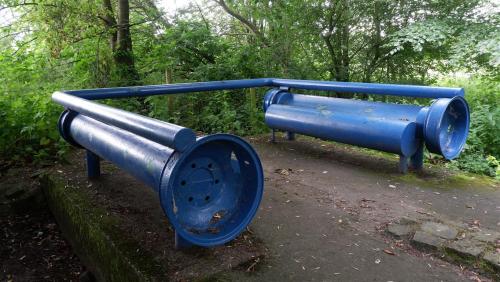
pixel 171 6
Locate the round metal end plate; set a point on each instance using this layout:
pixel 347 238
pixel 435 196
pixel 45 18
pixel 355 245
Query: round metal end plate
pixel 272 96
pixel 408 142
pixel 447 126
pixel 63 126
pixel 211 192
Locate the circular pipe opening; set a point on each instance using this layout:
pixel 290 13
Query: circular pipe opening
pixel 221 193
pixel 447 127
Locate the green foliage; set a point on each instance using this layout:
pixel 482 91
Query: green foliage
pixel 483 143
pixel 477 163
pixel 28 116
pixel 55 45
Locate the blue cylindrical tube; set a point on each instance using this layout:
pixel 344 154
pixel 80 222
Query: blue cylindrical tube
pixel 372 88
pixel 337 86
pixel 168 134
pixel 349 106
pixel 443 125
pixel 395 136
pixel 178 88
pixel 137 155
pixel 210 192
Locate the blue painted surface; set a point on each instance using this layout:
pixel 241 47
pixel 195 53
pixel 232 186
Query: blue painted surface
pixel 142 158
pixel 210 188
pixel 447 126
pixel 390 135
pixel 345 87
pixel 443 125
pixel 93 165
pixel 168 134
pixel 371 88
pixel 210 192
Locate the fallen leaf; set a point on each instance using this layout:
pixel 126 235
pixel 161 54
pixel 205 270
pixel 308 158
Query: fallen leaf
pixel 389 252
pixel 283 171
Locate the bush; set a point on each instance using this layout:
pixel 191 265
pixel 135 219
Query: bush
pixel 482 150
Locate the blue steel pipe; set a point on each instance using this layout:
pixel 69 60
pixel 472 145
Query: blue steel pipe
pixel 142 158
pixel 371 88
pixel 210 187
pixel 210 192
pixel 168 134
pixel 346 87
pixel 443 125
pixel 395 136
pixel 142 91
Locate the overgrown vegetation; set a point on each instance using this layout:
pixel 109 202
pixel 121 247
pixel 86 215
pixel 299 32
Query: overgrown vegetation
pixel 482 151
pixel 51 45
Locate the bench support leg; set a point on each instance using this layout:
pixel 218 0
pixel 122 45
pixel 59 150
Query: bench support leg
pixel 403 164
pixel 417 159
pixel 273 136
pixel 93 165
pixel 290 136
pixel 181 243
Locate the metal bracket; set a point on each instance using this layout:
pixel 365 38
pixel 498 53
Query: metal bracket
pixel 290 136
pixel 93 165
pixel 403 164
pixel 273 135
pixel 417 159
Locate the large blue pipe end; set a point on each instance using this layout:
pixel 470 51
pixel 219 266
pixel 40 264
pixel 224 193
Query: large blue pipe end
pixel 446 126
pixel 212 191
pixel 443 126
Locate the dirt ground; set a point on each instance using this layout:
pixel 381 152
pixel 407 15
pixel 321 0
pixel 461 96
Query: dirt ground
pixel 31 246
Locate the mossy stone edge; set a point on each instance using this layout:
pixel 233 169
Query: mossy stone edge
pixel 96 237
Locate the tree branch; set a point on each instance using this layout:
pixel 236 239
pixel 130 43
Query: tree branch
pixel 244 21
pixel 26 4
pixel 24 44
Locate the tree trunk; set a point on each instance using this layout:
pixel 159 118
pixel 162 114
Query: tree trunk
pixel 110 23
pixel 123 55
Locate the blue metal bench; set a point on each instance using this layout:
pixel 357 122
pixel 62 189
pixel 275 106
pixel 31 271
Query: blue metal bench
pixel 401 129
pixel 210 187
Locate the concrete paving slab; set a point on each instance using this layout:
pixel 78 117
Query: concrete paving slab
pixel 427 241
pixel 441 230
pixel 400 230
pixel 466 248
